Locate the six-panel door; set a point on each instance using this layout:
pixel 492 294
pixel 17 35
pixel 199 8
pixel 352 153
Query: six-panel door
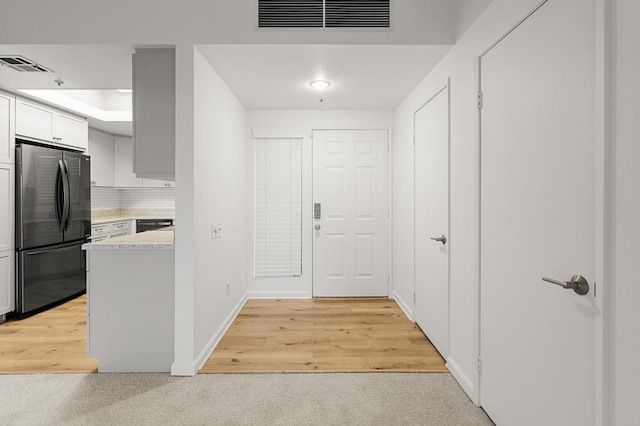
pixel 350 242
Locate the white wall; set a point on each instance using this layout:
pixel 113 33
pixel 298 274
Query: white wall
pixel 626 244
pixel 220 173
pixel 459 65
pixel 303 121
pixel 211 173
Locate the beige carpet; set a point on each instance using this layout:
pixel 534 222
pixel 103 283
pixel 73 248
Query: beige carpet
pixel 236 399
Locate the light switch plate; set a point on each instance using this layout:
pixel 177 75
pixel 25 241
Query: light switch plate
pixel 216 231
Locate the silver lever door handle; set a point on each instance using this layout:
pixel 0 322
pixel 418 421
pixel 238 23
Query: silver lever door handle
pixel 442 239
pixel 578 284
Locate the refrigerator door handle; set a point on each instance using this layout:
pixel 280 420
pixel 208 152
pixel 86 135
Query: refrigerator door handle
pixel 60 193
pixel 66 199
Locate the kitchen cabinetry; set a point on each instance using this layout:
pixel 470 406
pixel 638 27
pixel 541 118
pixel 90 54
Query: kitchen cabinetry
pixel 102 151
pixel 7 238
pixel 154 110
pixel 43 123
pixel 7 278
pixel 7 130
pixel 7 207
pixel 142 286
pixel 153 183
pixel 124 175
pixel 7 203
pixel 108 230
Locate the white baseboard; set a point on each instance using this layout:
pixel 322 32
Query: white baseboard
pixel 465 383
pixel 192 368
pixel 403 305
pixel 220 332
pixel 279 295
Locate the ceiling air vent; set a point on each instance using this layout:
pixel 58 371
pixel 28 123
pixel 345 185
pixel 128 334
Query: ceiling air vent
pixel 357 13
pixel 323 13
pixel 290 13
pixel 21 64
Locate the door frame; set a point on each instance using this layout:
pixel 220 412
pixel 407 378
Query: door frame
pixel 604 209
pixel 442 88
pixel 389 197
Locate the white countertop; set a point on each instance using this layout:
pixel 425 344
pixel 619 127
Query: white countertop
pixel 150 240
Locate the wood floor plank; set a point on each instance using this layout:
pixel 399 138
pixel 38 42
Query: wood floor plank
pixel 54 341
pixel 323 335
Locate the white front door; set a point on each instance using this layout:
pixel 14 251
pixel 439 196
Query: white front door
pixel 537 219
pixel 432 220
pixel 351 213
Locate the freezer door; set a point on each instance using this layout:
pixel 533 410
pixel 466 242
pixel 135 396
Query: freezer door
pixel 39 188
pixel 47 277
pixel 77 223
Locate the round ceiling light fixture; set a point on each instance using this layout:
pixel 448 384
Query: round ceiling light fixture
pixel 319 84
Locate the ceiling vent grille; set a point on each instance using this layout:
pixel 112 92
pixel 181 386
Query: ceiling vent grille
pixel 357 13
pixel 290 13
pixel 323 13
pixel 21 64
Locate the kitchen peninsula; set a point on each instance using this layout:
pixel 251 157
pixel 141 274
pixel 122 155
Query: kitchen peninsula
pixel 130 310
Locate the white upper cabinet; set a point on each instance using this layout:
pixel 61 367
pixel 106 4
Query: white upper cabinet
pixel 47 124
pixel 102 152
pixel 7 129
pixel 154 183
pixel 71 130
pixel 154 110
pixel 34 120
pixel 124 176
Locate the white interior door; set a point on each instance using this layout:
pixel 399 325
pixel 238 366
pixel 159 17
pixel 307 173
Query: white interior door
pixel 537 219
pixel 350 239
pixel 432 220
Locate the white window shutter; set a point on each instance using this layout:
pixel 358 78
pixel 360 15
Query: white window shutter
pixel 278 208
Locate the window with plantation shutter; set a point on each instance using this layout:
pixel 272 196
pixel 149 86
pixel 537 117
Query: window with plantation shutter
pixel 278 208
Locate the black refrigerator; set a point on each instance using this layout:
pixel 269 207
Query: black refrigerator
pixel 53 220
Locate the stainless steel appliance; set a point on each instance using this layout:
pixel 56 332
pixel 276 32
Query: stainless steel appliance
pixel 143 225
pixel 53 220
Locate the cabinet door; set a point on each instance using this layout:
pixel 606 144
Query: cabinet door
pixel 7 128
pixel 7 281
pixel 124 176
pixel 7 207
pixel 154 82
pixel 102 151
pixel 34 120
pixel 153 183
pixel 71 131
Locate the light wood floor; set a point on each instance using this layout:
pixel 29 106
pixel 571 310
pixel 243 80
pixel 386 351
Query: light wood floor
pixel 323 335
pixel 54 341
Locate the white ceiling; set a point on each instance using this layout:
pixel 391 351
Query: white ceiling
pixel 361 76
pixel 270 76
pixel 79 66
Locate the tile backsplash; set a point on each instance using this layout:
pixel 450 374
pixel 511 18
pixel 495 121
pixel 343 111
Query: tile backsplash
pixel 134 198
